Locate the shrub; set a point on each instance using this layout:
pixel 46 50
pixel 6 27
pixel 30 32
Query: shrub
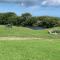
pixel 9 25
pixel 54 31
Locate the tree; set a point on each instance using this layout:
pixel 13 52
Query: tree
pixel 26 15
pixel 25 18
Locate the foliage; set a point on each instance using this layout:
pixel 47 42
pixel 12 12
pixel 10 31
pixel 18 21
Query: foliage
pixel 54 31
pixel 27 19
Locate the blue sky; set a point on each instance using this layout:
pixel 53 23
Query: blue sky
pixel 35 7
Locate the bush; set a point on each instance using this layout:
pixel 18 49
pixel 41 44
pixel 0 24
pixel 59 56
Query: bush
pixel 54 31
pixel 9 25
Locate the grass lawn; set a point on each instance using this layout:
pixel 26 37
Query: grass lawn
pixel 25 32
pixel 21 32
pixel 30 50
pixel 47 48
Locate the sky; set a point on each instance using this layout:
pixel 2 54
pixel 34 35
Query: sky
pixel 35 7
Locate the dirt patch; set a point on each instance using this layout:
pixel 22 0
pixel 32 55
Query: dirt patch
pixel 18 38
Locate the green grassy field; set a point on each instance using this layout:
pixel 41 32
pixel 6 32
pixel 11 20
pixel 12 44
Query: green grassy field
pixel 21 32
pixel 25 32
pixel 47 48
pixel 30 50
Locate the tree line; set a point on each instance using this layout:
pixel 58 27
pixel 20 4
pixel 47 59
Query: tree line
pixel 26 19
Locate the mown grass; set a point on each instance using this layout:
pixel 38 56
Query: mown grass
pixel 47 48
pixel 30 50
pixel 20 31
pixel 25 32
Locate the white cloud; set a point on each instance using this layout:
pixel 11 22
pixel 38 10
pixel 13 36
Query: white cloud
pixel 29 3
pixel 51 2
pixel 44 2
pixel 22 4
